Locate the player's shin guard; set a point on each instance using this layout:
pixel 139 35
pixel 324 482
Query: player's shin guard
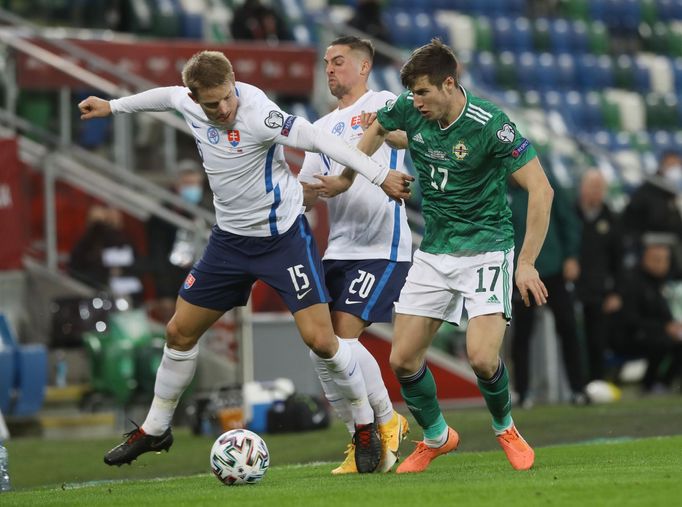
pixel 344 370
pixel 419 392
pixel 172 378
pixel 331 391
pixel 495 391
pixel 376 389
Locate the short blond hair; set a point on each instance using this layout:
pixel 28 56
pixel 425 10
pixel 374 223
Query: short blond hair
pixel 207 69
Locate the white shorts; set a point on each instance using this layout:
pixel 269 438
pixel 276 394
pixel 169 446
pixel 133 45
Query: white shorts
pixel 442 285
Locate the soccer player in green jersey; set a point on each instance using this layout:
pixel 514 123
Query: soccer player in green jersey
pixel 464 149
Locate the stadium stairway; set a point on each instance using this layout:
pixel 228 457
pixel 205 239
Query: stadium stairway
pixel 62 416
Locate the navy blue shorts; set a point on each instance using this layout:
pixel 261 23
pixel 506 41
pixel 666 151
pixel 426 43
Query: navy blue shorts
pixel 289 263
pixel 366 288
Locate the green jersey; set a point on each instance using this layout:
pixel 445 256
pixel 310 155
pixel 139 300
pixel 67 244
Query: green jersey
pixel 462 171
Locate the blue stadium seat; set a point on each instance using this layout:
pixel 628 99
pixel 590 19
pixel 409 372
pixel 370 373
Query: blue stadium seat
pixel 565 71
pixel 593 115
pixel 527 71
pixel 546 73
pixel 643 78
pixel 598 10
pixel 669 9
pixel 677 70
pixel 399 24
pixel 191 25
pixel 580 42
pixel 631 14
pixel 30 372
pixel 574 111
pixel 594 73
pixel 6 377
pixel 512 34
pixel 483 69
pixel 560 36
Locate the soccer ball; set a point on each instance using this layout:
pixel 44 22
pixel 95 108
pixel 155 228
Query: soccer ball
pixel 600 391
pixel 239 457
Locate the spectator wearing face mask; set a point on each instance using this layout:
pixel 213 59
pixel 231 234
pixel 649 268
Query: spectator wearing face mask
pixel 653 208
pixel 104 257
pixel 172 250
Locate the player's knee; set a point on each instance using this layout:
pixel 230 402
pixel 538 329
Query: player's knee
pixel 401 364
pixel 178 340
pixel 483 365
pixel 323 345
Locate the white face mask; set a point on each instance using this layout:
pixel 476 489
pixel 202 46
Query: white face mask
pixel 673 174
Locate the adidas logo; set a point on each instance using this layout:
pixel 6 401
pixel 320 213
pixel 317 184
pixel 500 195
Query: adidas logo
pixel 418 138
pixel 493 299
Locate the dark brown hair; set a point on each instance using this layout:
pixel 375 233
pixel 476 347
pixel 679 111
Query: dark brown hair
pixel 356 44
pixel 434 60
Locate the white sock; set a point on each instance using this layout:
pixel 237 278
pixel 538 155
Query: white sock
pixel 376 389
pixel 172 378
pixel 331 391
pixel 344 369
pixel 439 441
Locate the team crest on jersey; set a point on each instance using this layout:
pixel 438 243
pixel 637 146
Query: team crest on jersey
pixel 460 150
pixel 506 134
pixel 339 128
pixel 356 122
pixel 389 104
pixel 233 137
pixel 189 281
pixel 213 135
pixel 275 120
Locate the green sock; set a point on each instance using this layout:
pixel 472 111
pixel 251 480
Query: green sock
pixel 419 392
pixel 495 391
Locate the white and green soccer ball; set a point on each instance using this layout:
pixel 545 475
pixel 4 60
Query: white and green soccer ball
pixel 239 457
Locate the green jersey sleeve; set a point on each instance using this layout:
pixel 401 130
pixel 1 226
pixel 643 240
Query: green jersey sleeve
pixel 392 116
pixel 507 143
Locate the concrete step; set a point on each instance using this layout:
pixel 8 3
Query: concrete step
pixel 67 395
pixel 73 424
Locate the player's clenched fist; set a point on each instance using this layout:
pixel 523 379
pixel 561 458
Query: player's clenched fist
pixel 94 107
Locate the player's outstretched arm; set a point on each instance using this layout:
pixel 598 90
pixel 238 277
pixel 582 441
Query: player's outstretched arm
pixel 396 184
pixel 94 107
pixel 532 178
pixel 395 139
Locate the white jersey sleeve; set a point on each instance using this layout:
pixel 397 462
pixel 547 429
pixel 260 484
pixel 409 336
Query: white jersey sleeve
pixel 156 99
pixel 296 132
pixel 254 192
pixel 363 222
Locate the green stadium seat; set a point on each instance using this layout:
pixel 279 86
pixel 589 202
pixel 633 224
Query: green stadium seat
pixel 649 11
pixel 598 37
pixel 484 35
pixel 575 9
pixel 675 40
pixel 505 71
pixel 37 107
pixel 541 37
pixel 661 112
pixel 610 113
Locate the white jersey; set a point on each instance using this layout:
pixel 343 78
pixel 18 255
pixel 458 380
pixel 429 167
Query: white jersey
pixel 363 222
pixel 254 192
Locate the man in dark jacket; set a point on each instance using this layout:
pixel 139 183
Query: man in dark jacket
pixel 645 324
pixel 653 208
pixel 601 254
pixel 558 267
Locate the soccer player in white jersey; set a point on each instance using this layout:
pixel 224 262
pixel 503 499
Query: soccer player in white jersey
pixel 260 233
pixel 369 250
